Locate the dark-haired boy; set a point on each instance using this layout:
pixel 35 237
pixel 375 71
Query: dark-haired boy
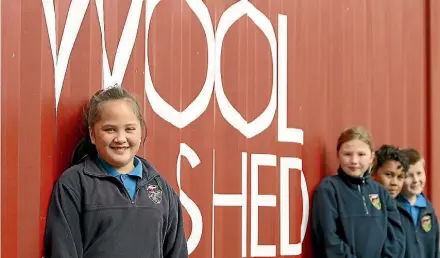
pixel 390 168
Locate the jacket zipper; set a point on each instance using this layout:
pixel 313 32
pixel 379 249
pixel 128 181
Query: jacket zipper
pixel 137 188
pixel 408 215
pixel 363 199
pixel 121 184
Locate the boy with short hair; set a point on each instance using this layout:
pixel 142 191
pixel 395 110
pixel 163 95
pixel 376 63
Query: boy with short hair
pixel 418 216
pixel 390 168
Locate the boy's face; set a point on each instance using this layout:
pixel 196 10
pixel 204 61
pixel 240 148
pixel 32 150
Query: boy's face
pixel 415 180
pixel 391 176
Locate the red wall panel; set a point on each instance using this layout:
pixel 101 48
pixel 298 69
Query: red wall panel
pixel 433 30
pixel 337 64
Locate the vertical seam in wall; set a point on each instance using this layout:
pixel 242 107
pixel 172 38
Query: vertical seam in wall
pixel 1 124
pixel 428 67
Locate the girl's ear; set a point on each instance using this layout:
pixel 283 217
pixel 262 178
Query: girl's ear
pixel 373 155
pixel 92 135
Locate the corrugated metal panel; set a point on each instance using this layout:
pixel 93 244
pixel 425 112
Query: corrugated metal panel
pixel 347 62
pixel 1 135
pixel 434 35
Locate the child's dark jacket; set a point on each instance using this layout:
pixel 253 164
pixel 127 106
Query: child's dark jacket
pixel 355 217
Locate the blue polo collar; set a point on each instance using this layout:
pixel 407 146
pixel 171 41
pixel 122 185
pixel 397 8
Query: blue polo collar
pixel 136 171
pixel 420 201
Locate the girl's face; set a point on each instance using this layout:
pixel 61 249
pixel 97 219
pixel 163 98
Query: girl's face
pixel 355 157
pixel 415 180
pixel 117 134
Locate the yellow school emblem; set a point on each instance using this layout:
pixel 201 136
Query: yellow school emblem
pixel 375 200
pixel 426 223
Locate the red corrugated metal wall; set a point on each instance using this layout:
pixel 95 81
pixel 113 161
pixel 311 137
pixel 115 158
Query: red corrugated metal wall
pixel 341 62
pixel 434 85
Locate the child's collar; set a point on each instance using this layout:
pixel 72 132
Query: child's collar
pixel 136 171
pixel 354 180
pixel 420 200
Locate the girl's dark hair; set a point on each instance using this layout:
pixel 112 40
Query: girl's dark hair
pixel 389 152
pixel 85 147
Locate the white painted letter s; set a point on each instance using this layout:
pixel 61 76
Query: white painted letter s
pixel 190 206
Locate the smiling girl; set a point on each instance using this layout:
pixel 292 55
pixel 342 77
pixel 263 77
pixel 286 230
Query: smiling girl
pixel 352 215
pixel 113 203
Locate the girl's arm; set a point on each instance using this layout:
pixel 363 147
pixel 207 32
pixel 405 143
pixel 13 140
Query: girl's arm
pixel 63 231
pixel 175 243
pixel 324 217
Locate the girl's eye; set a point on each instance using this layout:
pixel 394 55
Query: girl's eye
pixel 131 129
pixel 109 129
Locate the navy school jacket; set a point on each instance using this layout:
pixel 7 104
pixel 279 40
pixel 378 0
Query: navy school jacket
pixel 355 218
pixel 421 241
pixel 92 216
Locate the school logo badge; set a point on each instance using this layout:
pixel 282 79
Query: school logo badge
pixel 375 200
pixel 426 223
pixel 154 193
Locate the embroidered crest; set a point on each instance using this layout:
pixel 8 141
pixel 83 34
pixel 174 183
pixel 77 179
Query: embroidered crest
pixel 154 193
pixel 375 200
pixel 426 223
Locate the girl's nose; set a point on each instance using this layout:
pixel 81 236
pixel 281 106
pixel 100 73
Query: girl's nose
pixel 120 137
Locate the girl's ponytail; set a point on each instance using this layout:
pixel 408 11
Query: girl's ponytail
pixel 83 149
